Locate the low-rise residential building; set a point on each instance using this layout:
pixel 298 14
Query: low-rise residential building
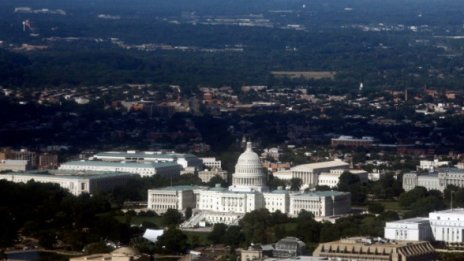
pixel 48 161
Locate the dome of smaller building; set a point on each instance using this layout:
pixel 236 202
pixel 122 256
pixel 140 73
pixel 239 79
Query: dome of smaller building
pixel 125 251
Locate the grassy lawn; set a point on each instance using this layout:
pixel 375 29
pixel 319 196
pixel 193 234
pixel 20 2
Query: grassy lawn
pixel 198 238
pixel 137 220
pixel 392 205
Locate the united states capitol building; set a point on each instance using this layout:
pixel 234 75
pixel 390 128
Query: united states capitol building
pixel 248 192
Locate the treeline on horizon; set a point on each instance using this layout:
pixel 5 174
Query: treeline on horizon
pixel 379 59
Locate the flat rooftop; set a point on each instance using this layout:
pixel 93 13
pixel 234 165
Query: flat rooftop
pixel 328 193
pixel 120 164
pixel 411 220
pixel 69 175
pixel 450 211
pixel 320 165
pixel 143 154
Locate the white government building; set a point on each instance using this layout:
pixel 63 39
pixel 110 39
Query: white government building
pixel 75 182
pixel 437 180
pixel 444 226
pixel 332 178
pixel 15 165
pixel 166 169
pixel 309 173
pixel 185 160
pixel 248 192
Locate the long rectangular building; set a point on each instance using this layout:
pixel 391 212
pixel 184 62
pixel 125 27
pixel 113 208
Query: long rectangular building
pixel 75 183
pixel 309 173
pixel 320 203
pixel 185 160
pixel 167 169
pixel 369 249
pixel 412 229
pixel 437 180
pixel 442 226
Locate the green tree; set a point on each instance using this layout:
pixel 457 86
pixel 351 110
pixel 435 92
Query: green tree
pixel 173 241
pixel 233 236
pixel 188 213
pixel 217 180
pixel 295 184
pixel 171 217
pixel 376 208
pixel 410 197
pixel 346 181
pixel 217 234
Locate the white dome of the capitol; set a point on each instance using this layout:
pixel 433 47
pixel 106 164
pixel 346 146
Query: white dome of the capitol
pixel 249 173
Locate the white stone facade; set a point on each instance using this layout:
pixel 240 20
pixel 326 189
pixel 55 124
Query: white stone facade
pixel 207 175
pixel 167 169
pixel 185 160
pixel 432 164
pixel 211 163
pixel 180 198
pixel 320 203
pixel 309 173
pixel 278 200
pixel 413 229
pixel 74 183
pixel 448 225
pixel 15 165
pixel 249 173
pixel 443 226
pixel 247 193
pixel 437 180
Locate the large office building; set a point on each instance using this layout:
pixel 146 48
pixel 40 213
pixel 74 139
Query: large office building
pixel 332 178
pixel 351 141
pixel 443 226
pixel 431 165
pixel 206 175
pixel 166 169
pixel 320 203
pixel 248 192
pixel 22 154
pixel 185 160
pixel 15 165
pixel 448 225
pixel 412 229
pixel 76 183
pixel 211 163
pixel 120 254
pixel 436 180
pixel 309 173
pixel 369 249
